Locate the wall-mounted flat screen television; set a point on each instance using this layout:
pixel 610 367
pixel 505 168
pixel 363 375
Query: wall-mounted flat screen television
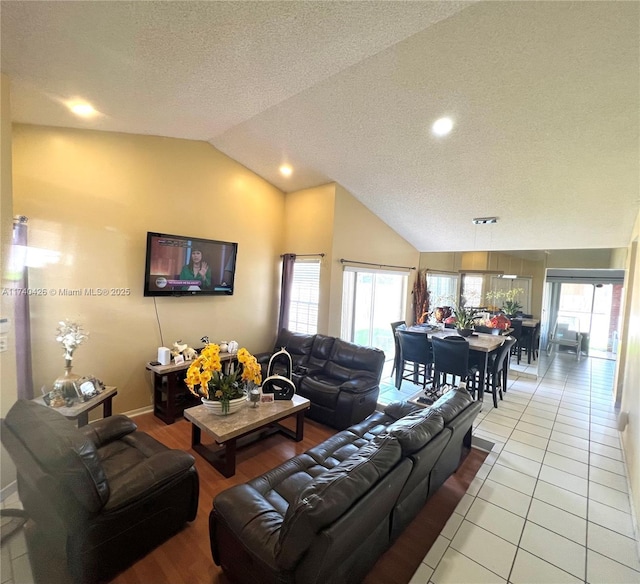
pixel 177 265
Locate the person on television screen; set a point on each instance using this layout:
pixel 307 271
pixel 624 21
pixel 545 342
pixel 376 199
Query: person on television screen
pixel 197 269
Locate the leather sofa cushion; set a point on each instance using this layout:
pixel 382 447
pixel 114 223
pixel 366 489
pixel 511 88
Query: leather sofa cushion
pixel 108 429
pixel 60 448
pixel 321 389
pixel 452 403
pixel 397 410
pixel 415 430
pixel 337 449
pixel 348 360
pixel 281 485
pixel 331 494
pixel 145 466
pixel 372 425
pixel 320 352
pixel 298 345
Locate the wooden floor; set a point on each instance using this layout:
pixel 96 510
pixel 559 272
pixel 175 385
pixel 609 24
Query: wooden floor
pixel 186 557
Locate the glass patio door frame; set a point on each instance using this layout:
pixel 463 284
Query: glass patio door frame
pixel 350 296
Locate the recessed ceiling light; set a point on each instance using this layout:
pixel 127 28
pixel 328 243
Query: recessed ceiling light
pixel 442 126
pixel 286 170
pixel 82 109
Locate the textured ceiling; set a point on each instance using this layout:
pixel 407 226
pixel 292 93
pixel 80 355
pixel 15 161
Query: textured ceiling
pixel 545 97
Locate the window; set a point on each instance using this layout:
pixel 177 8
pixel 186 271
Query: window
pixel 305 295
pixel 442 290
pixel 471 293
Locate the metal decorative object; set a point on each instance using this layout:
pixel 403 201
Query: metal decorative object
pixel 280 386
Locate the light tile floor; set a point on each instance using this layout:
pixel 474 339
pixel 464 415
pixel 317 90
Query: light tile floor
pixel 550 504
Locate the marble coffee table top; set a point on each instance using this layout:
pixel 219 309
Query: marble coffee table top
pixel 245 420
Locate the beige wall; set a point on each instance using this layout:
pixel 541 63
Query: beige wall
pixel 360 235
pixel 7 358
pixel 329 220
pixel 618 258
pixel 91 197
pixel 579 258
pixel 628 374
pixel 309 216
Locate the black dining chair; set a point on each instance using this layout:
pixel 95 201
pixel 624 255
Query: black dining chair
pixel 416 358
pixel 516 349
pixel 496 380
pixel 529 340
pixel 396 357
pixel 451 357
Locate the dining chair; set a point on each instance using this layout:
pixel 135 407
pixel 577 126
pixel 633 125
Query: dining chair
pixel 528 341
pixel 416 358
pixel 496 380
pixel 451 357
pixel 396 357
pixel 516 349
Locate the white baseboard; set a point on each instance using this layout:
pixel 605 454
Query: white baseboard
pixel 138 411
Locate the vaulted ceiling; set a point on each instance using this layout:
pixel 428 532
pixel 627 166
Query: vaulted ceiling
pixel 544 98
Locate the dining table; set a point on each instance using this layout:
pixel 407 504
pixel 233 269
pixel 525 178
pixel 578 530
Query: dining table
pixel 481 345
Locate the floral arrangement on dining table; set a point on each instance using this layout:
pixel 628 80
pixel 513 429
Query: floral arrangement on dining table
pixel 206 379
pixel 499 321
pixel 510 304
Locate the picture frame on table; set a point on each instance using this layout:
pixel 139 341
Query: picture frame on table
pixel 89 387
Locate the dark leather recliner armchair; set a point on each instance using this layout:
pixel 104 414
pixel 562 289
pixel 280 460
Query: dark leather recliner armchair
pixel 104 494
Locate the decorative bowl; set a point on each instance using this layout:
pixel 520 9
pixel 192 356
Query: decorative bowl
pixel 465 332
pixel 215 407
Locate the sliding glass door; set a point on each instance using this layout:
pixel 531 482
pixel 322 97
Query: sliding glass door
pixel 596 309
pixel 371 301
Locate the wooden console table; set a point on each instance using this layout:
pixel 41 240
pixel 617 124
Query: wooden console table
pixel 80 411
pixel 171 396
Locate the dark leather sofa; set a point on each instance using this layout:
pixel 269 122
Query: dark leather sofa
pixel 102 495
pixel 328 514
pixel 341 379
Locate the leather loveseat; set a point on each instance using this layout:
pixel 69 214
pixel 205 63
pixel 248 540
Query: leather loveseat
pixel 102 495
pixel 341 379
pixel 328 514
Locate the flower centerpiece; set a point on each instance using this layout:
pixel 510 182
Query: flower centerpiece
pixel 499 321
pixel 206 379
pixel 510 306
pixel 70 335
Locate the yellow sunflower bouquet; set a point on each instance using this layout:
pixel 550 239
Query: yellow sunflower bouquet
pixel 205 377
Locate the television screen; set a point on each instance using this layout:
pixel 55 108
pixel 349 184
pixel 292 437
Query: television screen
pixel 177 265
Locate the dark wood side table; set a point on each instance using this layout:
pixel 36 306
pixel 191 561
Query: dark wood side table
pixel 80 411
pixel 171 396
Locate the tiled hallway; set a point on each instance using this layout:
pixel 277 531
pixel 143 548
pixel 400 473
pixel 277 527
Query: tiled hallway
pixel 550 504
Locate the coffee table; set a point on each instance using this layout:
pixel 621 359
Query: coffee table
pixel 246 425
